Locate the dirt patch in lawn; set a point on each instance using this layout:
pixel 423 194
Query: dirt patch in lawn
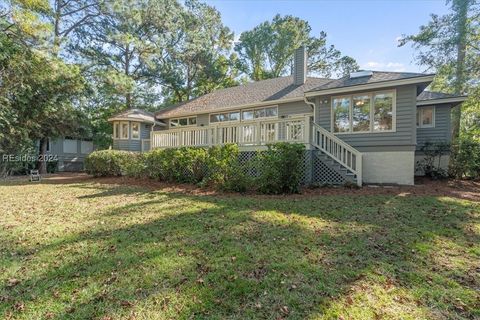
pixel 461 189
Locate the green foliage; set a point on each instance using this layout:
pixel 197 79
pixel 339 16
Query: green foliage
pixel 448 45
pixel 216 166
pixel 105 163
pixel 431 164
pixel 277 169
pixel 267 50
pixel 280 168
pixel 225 169
pixel 470 124
pixel 465 162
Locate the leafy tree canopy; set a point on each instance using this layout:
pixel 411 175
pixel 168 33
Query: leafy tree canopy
pixel 267 50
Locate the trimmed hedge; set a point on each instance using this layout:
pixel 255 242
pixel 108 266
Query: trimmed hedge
pixel 276 170
pixel 280 168
pixel 105 163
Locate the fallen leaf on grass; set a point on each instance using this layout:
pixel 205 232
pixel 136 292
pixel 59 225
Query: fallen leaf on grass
pixel 19 306
pixel 125 303
pixel 12 282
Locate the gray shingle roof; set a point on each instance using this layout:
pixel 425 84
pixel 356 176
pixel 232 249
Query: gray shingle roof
pixel 250 93
pixel 135 115
pixel 271 90
pixel 431 95
pixel 377 76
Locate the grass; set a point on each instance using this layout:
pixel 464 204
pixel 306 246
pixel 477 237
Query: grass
pixel 108 251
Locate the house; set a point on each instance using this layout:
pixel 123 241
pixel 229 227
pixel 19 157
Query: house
pixel 366 127
pixel 68 154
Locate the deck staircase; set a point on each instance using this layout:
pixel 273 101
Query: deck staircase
pixel 340 162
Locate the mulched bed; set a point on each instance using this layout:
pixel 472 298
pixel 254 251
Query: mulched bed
pixel 462 189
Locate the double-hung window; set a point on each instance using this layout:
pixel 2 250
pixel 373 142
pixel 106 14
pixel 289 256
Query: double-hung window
pixel 120 130
pixel 116 130
pixel 124 134
pixel 364 112
pixel 135 130
pixel 426 117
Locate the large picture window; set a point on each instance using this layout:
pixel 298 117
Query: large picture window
pixel 361 113
pixel 366 112
pixel 341 114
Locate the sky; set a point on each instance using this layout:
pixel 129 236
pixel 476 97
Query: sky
pixel 365 30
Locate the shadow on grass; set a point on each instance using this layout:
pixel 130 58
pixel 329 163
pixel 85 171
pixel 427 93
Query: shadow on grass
pixel 177 256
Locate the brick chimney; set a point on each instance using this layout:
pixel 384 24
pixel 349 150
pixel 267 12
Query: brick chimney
pixel 300 66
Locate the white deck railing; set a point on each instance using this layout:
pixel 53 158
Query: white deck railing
pixel 254 133
pixel 338 150
pixel 250 133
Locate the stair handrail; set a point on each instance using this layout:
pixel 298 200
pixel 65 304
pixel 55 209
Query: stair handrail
pixel 338 150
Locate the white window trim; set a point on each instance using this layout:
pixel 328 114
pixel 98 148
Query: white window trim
pixel 139 130
pixel 258 119
pixel 121 130
pixel 182 126
pixel 241 115
pixel 372 112
pixel 420 121
pixel 115 136
pixel 226 121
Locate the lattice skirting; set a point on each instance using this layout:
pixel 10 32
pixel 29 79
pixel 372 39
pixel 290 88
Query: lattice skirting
pixel 314 170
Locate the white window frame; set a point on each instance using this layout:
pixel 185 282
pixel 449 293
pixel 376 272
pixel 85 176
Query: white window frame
pixel 227 121
pixel 116 133
pixel 182 126
pixel 121 130
pixel 139 130
pixel 371 94
pixel 261 118
pixel 420 120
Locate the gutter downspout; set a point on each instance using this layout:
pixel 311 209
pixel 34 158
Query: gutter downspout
pixel 312 104
pixel 151 132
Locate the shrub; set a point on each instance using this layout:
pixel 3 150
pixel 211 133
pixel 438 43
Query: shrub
pixel 280 168
pixel 277 170
pixel 431 164
pixel 225 170
pixel 108 162
pixel 465 161
pixel 177 165
pixel 135 166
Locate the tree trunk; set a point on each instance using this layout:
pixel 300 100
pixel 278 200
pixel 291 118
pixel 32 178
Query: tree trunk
pixel 128 95
pixel 461 9
pixel 42 151
pixel 56 29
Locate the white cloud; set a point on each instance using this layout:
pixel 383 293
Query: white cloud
pixel 384 66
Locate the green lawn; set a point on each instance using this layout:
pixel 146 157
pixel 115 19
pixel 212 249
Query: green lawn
pixel 109 251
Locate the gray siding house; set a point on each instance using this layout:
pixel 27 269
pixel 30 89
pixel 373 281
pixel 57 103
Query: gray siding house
pixel 369 125
pixel 69 153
